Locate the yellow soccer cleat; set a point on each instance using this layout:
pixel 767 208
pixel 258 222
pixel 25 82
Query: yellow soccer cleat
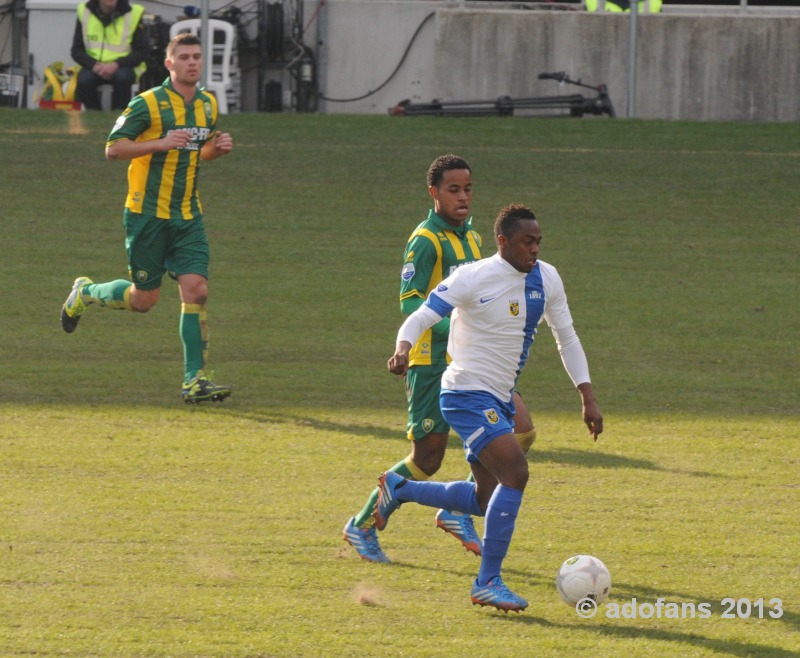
pixel 74 307
pixel 202 389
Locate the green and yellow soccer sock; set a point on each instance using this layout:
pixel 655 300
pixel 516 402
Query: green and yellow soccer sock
pixel 114 294
pixel 194 335
pixel 408 469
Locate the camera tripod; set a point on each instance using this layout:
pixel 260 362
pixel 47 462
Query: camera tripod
pixel 572 105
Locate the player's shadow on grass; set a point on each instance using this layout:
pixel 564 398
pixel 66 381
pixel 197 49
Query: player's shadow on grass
pixel 583 458
pixel 597 459
pixel 281 418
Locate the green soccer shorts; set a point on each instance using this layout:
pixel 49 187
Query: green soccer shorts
pixel 423 385
pixel 155 246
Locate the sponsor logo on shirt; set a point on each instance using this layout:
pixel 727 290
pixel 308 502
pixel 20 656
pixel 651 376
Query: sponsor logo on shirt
pixel 199 135
pixel 441 287
pixel 453 268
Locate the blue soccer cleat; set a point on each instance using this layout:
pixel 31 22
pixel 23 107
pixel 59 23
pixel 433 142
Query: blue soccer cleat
pixel 387 497
pixel 365 541
pixel 496 594
pixel 462 528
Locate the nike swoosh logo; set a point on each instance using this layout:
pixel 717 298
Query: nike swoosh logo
pixel 503 513
pixel 484 300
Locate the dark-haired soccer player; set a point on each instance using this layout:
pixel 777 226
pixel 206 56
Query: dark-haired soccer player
pixel 495 305
pixel 436 248
pixel 165 132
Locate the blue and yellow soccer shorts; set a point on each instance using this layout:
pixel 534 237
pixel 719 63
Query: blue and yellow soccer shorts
pixel 155 246
pixel 423 384
pixel 478 417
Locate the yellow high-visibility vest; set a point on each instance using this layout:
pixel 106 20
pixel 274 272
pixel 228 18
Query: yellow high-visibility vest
pixel 643 7
pixel 109 43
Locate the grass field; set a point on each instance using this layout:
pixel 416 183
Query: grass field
pixel 132 525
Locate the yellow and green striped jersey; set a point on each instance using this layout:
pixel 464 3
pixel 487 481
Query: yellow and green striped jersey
pixel 434 251
pixel 164 184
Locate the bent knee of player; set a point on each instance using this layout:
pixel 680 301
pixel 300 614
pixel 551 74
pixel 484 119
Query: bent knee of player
pixel 142 301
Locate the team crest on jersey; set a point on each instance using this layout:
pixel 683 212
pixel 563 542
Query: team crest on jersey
pixel 513 307
pixel 427 425
pixel 408 272
pixel 491 415
pixel 141 276
pixel 119 123
pixel 207 109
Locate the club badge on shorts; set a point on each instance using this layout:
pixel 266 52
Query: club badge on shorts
pixel 491 415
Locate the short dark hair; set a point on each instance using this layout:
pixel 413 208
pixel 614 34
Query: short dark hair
pixel 509 218
pixel 442 164
pixel 182 39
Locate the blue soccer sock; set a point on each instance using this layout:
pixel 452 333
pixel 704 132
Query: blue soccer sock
pixel 457 496
pixel 501 515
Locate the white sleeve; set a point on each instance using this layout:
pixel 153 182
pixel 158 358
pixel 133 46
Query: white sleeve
pixel 417 323
pixel 572 355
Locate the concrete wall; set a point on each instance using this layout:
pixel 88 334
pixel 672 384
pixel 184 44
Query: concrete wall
pixel 689 66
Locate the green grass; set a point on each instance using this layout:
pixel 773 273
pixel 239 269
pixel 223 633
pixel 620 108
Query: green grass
pixel 131 525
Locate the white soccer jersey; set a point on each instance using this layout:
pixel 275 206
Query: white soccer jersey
pixel 495 310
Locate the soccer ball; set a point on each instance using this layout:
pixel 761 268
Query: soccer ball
pixel 583 577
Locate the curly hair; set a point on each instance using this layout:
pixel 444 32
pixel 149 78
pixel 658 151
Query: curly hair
pixel 442 164
pixel 509 218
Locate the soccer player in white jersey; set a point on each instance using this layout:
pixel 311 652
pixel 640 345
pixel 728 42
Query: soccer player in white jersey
pixel 495 306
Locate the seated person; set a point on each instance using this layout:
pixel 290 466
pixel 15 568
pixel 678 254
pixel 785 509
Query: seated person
pixel 110 46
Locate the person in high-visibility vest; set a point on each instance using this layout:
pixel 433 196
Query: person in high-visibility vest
pixel 623 6
pixel 110 45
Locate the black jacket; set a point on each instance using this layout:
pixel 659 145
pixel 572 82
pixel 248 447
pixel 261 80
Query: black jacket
pixel 138 43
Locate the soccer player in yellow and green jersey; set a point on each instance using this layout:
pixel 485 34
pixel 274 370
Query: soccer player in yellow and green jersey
pixel 437 247
pixel 165 132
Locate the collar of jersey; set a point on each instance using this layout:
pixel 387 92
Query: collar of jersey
pixel 168 84
pixel 444 225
